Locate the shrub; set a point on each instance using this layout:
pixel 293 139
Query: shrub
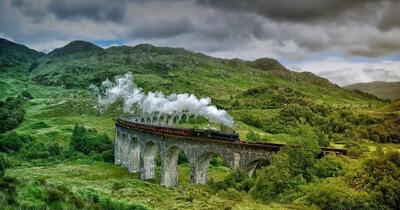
pixel 383 178
pixel 13 141
pixel 339 196
pixel 288 169
pixel 182 158
pixel 54 149
pixel 108 204
pixel 355 149
pixel 253 136
pixel 54 195
pixel 328 166
pixel 218 161
pixel 8 190
pixel 38 150
pixel 11 113
pixel 4 164
pixel 273 180
pixel 108 156
pixel 118 185
pixel 26 95
pixel 88 140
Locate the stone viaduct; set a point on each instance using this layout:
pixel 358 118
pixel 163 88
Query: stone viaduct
pixel 136 149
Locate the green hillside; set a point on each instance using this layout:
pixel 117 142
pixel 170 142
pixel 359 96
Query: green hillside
pixel 49 126
pixel 79 64
pixel 385 90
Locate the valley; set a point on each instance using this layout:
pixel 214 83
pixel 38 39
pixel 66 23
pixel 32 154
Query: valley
pixel 268 103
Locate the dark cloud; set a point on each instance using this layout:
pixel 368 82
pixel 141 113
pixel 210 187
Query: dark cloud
pixel 290 10
pixel 288 29
pixel 390 16
pixel 33 9
pixel 97 10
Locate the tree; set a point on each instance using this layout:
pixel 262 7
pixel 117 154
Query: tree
pixel 4 164
pixel 328 166
pixel 273 180
pixel 289 167
pixel 88 140
pixel 383 178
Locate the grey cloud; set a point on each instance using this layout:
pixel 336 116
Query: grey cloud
pixel 390 16
pixel 285 29
pixel 96 10
pixel 33 9
pixel 291 10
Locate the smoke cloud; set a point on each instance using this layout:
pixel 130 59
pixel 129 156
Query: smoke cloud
pixel 156 104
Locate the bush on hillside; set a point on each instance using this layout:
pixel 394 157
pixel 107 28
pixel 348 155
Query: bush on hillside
pixel 383 178
pixel 4 164
pixel 328 166
pixel 38 150
pixel 253 136
pixel 26 95
pixel 289 168
pixel 13 141
pixel 8 193
pixel 11 113
pixel 89 141
pixel 237 180
pixel 338 196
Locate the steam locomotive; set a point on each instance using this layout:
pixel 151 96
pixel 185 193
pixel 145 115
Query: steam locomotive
pixel 196 133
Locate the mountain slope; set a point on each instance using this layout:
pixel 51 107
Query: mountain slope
pixel 16 61
pixel 76 47
pixel 385 90
pixel 79 64
pixel 16 55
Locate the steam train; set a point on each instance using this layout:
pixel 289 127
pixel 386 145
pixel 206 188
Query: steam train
pixel 189 132
pixel 209 134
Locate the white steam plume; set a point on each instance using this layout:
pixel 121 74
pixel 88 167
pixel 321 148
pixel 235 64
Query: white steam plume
pixel 156 103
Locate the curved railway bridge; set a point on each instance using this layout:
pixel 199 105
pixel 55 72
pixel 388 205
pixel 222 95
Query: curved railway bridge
pixel 137 144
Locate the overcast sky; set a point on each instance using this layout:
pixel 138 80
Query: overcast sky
pixel 342 40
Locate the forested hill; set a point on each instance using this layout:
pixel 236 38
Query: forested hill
pixel 18 56
pixel 80 63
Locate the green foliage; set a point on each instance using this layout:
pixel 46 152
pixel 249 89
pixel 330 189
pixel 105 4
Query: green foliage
pixel 182 158
pixel 96 201
pixel 38 150
pixel 383 178
pixel 302 153
pixel 237 180
pixel 26 95
pixel 87 141
pixel 279 96
pixel 8 191
pixel 355 149
pixel 289 168
pixel 328 166
pixel 108 204
pixel 11 113
pixel 253 136
pixel 218 161
pixel 4 164
pixel 273 180
pixel 13 141
pixel 338 196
